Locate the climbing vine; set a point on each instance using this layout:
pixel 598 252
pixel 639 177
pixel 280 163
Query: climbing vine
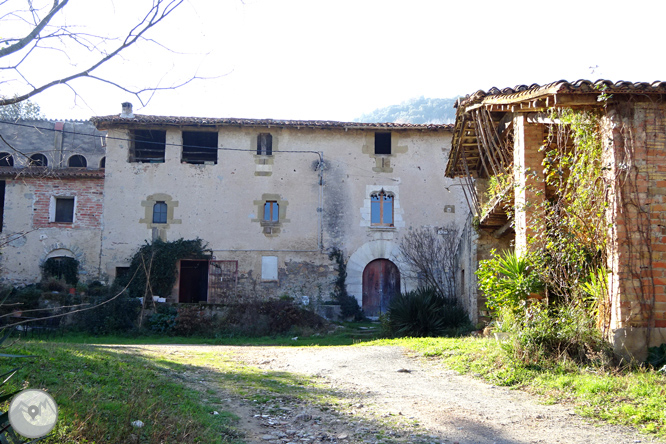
pixel 348 304
pixel 152 270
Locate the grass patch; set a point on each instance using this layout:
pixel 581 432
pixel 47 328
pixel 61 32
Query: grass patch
pixel 628 396
pixel 100 391
pixel 344 334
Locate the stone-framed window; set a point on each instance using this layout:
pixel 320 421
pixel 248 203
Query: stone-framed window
pixel 272 213
pixel 155 211
pixel 265 144
pixel 381 210
pixel 383 143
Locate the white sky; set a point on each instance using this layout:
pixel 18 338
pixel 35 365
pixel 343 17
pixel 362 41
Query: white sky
pixel 315 59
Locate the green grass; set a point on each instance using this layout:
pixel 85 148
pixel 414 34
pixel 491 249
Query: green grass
pixel 630 396
pixel 345 334
pixel 100 391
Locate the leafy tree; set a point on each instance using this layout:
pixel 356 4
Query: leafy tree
pixel 26 110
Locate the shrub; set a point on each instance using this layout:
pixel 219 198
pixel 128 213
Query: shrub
pixel 163 320
pixel 507 280
pixel 119 315
pixel 274 317
pixel 423 313
pixel 349 308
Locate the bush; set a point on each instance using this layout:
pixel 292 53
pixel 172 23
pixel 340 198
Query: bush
pixel 119 315
pixel 163 320
pixel 507 280
pixel 270 318
pixel 423 313
pixel 560 333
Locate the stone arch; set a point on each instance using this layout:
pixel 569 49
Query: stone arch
pixel 368 252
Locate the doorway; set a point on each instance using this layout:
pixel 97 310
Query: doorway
pixel 193 285
pixel 381 281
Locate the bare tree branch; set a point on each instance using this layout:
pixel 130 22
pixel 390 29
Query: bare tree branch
pixel 25 41
pixel 158 12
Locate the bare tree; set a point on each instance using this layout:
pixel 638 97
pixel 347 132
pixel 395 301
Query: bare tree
pixel 36 31
pixel 430 254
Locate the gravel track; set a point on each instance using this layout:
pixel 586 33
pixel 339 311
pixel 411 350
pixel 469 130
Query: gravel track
pixel 423 401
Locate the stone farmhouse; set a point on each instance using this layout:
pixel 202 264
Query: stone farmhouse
pixel 270 198
pixel 504 132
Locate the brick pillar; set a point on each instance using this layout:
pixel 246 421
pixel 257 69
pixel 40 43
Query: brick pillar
pixel 528 176
pixel 636 154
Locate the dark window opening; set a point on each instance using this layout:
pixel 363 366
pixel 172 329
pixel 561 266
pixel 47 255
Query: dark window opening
pixel 64 209
pixel 382 143
pixel 199 147
pixel 147 146
pixel 265 144
pixel 6 160
pixel 2 203
pixel 122 271
pixel 381 209
pixel 38 160
pixel 102 163
pixel 77 161
pixel 271 211
pixel 62 267
pixel 160 213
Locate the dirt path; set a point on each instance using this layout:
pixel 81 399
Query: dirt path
pixel 389 396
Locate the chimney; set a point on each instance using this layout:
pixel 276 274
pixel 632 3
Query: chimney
pixel 127 110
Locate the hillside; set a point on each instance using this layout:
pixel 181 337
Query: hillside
pixel 417 110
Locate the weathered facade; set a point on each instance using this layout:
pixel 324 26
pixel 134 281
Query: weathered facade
pixel 502 133
pixel 272 199
pixel 51 196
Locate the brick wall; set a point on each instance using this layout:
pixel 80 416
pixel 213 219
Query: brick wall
pixel 89 193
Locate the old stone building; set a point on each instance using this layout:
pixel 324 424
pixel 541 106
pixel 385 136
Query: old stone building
pixel 503 133
pixel 271 199
pixel 51 197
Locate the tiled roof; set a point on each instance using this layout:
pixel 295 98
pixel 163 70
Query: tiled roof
pixel 104 122
pixel 50 173
pixel 524 92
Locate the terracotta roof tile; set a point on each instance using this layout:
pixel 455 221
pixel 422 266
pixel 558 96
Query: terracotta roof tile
pixel 116 120
pixel 50 173
pixel 524 92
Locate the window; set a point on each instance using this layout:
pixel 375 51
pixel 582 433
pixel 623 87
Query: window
pixel 265 144
pixel 271 211
pixel 102 163
pixel 382 143
pixel 160 213
pixel 199 147
pixel 38 160
pixel 147 146
pixel 77 161
pixel 64 209
pixel 2 203
pixel 6 160
pixel 381 209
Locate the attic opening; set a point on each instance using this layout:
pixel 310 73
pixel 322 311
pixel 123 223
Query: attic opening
pixel 199 147
pixel 382 143
pixel 265 144
pixel 77 161
pixel 147 146
pixel 6 159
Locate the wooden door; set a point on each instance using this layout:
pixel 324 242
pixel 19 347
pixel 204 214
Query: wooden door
pixel 193 286
pixel 381 281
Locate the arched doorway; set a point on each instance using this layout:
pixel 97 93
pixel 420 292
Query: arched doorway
pixel 381 281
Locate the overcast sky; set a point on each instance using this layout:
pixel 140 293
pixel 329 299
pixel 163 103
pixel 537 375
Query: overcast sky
pixel 316 59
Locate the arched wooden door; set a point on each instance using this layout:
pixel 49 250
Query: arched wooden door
pixel 381 281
